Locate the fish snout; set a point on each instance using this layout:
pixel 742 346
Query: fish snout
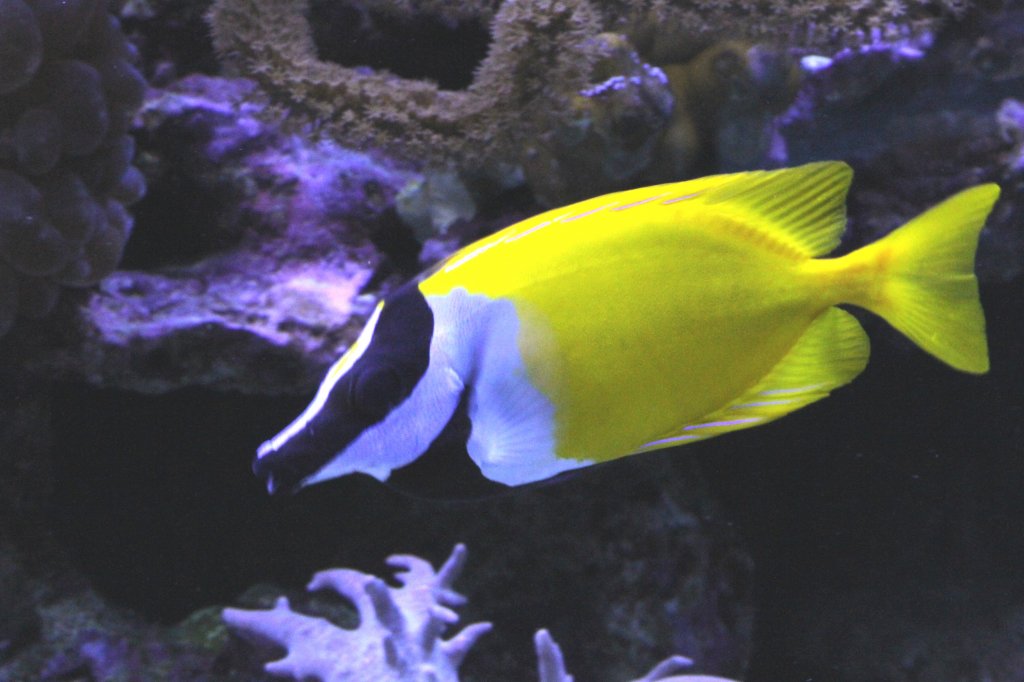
pixel 277 471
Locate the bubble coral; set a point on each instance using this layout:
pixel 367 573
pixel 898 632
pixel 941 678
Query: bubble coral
pixel 70 90
pixel 21 45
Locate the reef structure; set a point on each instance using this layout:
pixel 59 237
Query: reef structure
pixel 542 55
pixel 535 44
pixel 69 92
pixel 399 638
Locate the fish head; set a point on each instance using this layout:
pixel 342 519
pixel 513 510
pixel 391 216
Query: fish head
pixel 378 408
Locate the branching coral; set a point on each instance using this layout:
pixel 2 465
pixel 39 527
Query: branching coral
pixel 70 91
pixel 399 638
pixel 551 665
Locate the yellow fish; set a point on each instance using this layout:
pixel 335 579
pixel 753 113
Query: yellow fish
pixel 633 321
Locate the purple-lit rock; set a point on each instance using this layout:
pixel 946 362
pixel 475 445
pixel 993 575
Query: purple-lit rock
pixel 80 637
pixel 1010 117
pixel 903 109
pixel 286 231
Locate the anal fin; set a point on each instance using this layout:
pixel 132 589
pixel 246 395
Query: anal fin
pixel 830 354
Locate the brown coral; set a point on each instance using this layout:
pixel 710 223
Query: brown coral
pixel 541 55
pixel 672 30
pixel 535 44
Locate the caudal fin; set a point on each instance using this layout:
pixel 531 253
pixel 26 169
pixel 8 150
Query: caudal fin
pixel 928 289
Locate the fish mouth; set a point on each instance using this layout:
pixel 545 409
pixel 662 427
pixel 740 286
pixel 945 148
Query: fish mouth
pixel 278 475
pixel 275 488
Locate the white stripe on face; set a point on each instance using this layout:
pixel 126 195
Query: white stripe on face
pixel 338 370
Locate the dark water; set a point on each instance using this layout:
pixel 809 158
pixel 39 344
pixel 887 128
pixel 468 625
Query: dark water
pixel 902 486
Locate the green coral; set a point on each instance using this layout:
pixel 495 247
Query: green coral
pixel 542 54
pixel 535 43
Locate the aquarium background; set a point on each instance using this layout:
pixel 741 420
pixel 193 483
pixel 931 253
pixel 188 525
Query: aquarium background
pixel 201 203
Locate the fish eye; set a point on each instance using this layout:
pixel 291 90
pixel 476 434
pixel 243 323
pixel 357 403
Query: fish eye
pixel 375 390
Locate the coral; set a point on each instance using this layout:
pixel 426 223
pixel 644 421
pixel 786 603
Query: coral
pixel 1010 117
pixel 551 665
pixel 920 118
pixel 535 43
pixel 263 240
pixel 646 124
pixel 544 55
pixel 852 73
pixel 22 45
pixel 399 633
pixel 70 91
pixel 81 637
pixel 432 203
pixel 450 12
pixel 993 48
pixel 663 21
pixel 611 133
pixel 726 98
pixel 656 26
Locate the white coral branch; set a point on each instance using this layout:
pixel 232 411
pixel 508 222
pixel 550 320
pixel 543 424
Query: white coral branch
pixel 399 638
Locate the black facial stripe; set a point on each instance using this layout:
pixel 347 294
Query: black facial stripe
pixel 399 347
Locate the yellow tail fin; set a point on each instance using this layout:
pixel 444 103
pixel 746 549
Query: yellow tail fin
pixel 926 286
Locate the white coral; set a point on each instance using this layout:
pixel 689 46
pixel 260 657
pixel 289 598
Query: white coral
pixel 399 633
pixel 551 666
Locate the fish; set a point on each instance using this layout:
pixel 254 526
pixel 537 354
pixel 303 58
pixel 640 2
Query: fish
pixel 630 322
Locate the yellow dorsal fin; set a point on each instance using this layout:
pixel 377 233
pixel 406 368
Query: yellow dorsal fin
pixel 804 206
pixel 832 351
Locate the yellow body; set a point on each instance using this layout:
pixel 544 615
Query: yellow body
pixel 656 316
